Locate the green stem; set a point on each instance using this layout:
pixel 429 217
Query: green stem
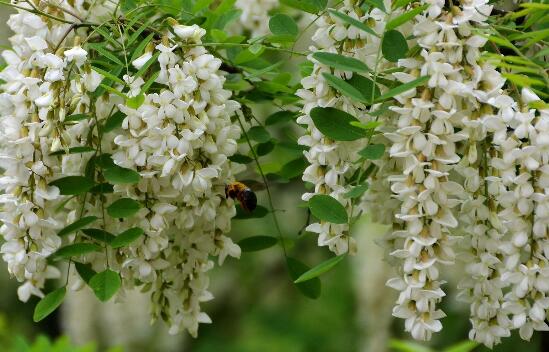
pixel 269 195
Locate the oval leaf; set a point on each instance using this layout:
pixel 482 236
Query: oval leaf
pixel 127 237
pixel 405 17
pixel 309 288
pixel 280 116
pixel 73 185
pixel 353 22
pixel 85 271
pixel 259 134
pixel 114 121
pixel 356 191
pixel 74 250
pixel 328 209
pixel 310 6
pixel 123 208
pixel 99 235
pixel 343 87
pixel 373 151
pixel 340 62
pixel 403 88
pixel 105 284
pixel 320 269
pixel 118 175
pixel 48 304
pixel 335 124
pixel 77 225
pixel 257 243
pixel 281 24
pixel 394 46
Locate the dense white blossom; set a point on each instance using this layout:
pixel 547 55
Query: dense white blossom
pixel 178 139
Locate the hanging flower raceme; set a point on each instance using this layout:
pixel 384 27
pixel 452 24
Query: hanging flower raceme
pixel 163 171
pixel 332 163
pixel 438 131
pixel 179 140
pixel 522 167
pixel 36 136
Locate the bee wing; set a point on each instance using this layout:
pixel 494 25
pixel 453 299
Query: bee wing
pixel 254 185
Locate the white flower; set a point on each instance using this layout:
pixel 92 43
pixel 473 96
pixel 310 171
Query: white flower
pixel 76 54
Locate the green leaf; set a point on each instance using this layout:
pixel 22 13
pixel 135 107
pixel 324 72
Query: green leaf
pixel 403 88
pixel 373 151
pixel 247 55
pixel 523 80
pixel 104 188
pixel 123 208
pixel 264 148
pixel 105 284
pixel 293 168
pixel 85 271
pixel 77 225
pixel 281 24
pixel 108 36
pixel 99 235
pixel 320 269
pixel 310 6
pixel 309 288
pixel 257 243
pixel 356 191
pixel 76 117
pixel 343 87
pixel 135 102
pixel 352 21
pixel 327 208
pixel 259 134
pixel 73 185
pixel 394 46
pixel 49 304
pixel 279 117
pixel 465 346
pixel 407 346
pixel 240 159
pixel 365 86
pixel 127 237
pixel 405 17
pixel 108 75
pixel 114 121
pixel 118 175
pixel 135 36
pixel 258 212
pixel 340 62
pixel 335 124
pixel 401 3
pixel 105 53
pixel 113 91
pixel 74 250
pixel 141 47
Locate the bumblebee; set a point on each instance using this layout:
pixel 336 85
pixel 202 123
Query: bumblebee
pixel 244 194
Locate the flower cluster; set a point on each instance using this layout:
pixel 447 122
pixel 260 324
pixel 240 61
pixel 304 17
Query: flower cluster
pixel 177 138
pixel 438 132
pixel 35 100
pixel 333 163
